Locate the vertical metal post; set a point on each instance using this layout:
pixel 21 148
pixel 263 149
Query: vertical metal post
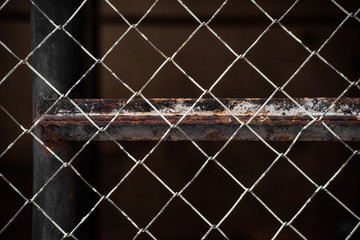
pixel 59 61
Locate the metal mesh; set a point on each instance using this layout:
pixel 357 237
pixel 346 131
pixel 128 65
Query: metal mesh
pixel 142 162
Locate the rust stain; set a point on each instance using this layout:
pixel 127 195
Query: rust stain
pixel 66 121
pixel 214 136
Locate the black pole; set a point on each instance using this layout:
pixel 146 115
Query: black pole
pixel 58 60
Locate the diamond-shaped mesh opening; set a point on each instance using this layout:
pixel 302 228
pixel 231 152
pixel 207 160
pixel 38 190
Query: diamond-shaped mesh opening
pixel 211 147
pixel 248 212
pixel 138 53
pixel 16 165
pixel 56 214
pixel 198 8
pixel 104 174
pixel 17 29
pixel 242 81
pixel 138 150
pixel 224 190
pixel 10 131
pixel 10 196
pixel 312 157
pixel 78 26
pixel 181 221
pixel 275 9
pixel 18 105
pixel 58 19
pixel 141 196
pixel 85 209
pixel 78 70
pixel 339 185
pixel 111 224
pixel 176 170
pixel 313 22
pixel 215 235
pixel 350 6
pixel 168 30
pixel 14 6
pixel 110 35
pixel 23 222
pixel 313 81
pixel 133 11
pixel 9 62
pixel 171 83
pixel 110 87
pixel 288 233
pixel 246 160
pixel 353 92
pixel 48 224
pixel 239 24
pixel 344 41
pixel 275 49
pixel 331 221
pixel 283 185
pixel 204 63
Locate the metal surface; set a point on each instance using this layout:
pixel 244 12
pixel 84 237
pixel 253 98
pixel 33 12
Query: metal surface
pixel 59 67
pixel 56 63
pixel 278 120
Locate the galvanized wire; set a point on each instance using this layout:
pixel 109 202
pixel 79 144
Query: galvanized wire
pixel 141 163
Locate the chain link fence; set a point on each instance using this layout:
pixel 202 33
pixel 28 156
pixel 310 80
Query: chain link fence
pixel 145 180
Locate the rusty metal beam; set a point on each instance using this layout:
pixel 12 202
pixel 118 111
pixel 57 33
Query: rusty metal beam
pixel 279 120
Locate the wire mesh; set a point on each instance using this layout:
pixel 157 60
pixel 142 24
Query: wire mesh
pixel 142 162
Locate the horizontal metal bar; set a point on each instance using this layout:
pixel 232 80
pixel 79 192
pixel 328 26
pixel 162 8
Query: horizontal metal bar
pixel 279 120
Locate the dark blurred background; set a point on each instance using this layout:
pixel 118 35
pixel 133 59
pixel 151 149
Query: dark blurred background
pixel 204 58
